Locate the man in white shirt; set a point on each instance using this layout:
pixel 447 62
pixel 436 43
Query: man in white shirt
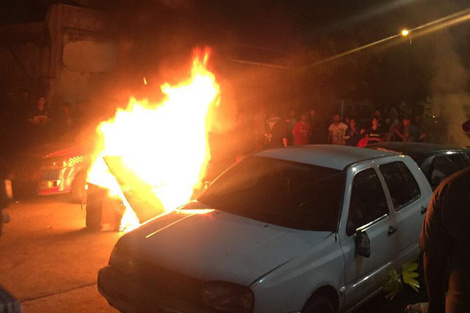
pixel 336 131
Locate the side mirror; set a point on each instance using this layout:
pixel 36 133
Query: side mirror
pixel 362 244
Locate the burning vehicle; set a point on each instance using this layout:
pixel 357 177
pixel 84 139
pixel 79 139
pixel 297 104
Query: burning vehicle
pixel 151 177
pixel 59 167
pixel 300 229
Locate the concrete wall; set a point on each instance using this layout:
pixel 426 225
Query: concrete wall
pixel 23 65
pixel 83 53
pixel 65 58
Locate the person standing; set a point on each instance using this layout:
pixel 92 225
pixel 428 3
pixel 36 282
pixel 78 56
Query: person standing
pixel 39 119
pixel 378 115
pixel 392 123
pixel 445 242
pixel 408 132
pixel 39 116
pixel 336 131
pixel 352 134
pixel 259 128
pixel 277 131
pixel 315 132
pixel 374 133
pixel 302 131
pixel 290 122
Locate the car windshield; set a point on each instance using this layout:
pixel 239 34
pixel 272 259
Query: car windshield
pixel 279 192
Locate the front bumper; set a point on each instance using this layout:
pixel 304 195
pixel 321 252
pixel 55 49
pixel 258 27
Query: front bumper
pixel 131 296
pixel 55 181
pixel 45 182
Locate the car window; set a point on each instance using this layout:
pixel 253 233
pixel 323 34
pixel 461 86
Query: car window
pixel 445 165
pixel 401 184
pixel 284 193
pixel 368 201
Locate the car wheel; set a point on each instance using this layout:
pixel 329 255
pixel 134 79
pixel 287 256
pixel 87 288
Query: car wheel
pixel 78 193
pixel 319 304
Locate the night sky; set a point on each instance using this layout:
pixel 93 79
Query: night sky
pixel 313 18
pixel 296 33
pixel 272 24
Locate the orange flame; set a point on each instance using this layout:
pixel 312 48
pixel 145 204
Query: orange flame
pixel 166 144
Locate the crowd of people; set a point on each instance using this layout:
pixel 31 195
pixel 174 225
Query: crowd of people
pixel 62 121
pixel 274 131
pixel 36 124
pixel 444 238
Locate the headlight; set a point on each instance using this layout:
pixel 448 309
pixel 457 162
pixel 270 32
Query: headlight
pixel 122 261
pixel 228 297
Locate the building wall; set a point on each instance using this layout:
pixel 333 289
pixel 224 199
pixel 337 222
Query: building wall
pixel 64 58
pixel 83 53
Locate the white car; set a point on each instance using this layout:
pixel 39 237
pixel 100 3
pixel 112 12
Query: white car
pixel 299 229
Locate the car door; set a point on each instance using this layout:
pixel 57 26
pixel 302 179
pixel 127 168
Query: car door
pixel 367 210
pixel 409 205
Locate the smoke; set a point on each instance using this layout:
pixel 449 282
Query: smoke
pixel 156 39
pixel 450 96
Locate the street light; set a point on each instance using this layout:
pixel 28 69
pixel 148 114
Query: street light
pixel 406 81
pixel 405 33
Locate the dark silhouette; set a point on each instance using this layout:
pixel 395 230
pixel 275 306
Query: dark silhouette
pixel 445 240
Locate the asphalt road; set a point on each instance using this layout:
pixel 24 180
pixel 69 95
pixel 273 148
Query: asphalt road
pixel 49 261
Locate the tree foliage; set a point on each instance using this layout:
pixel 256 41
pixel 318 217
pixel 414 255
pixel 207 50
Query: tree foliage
pixel 396 281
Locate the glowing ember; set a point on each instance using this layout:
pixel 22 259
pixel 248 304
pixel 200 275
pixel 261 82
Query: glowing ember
pixel 164 145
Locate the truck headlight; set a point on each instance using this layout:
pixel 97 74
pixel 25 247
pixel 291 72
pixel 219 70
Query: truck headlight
pixel 121 260
pixel 228 297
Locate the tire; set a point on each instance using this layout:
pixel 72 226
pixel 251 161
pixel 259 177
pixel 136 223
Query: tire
pixel 78 192
pixel 319 304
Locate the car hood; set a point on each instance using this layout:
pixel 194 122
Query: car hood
pixel 218 245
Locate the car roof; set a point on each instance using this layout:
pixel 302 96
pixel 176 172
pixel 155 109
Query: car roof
pixel 331 156
pixel 417 150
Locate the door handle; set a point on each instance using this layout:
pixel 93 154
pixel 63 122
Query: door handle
pixel 391 230
pixel 424 209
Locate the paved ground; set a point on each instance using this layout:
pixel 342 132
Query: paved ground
pixel 49 261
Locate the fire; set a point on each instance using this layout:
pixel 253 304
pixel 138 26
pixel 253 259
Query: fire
pixel 164 145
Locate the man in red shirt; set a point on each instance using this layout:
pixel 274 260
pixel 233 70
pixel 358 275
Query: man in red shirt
pixel 302 131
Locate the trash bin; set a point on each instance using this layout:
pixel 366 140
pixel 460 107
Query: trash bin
pixel 103 212
pixel 8 304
